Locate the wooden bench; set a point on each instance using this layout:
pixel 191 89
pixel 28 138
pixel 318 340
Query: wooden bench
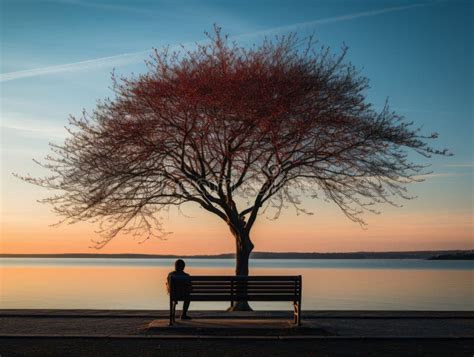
pixel 236 288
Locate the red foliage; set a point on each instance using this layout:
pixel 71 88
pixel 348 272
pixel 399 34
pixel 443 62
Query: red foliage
pixel 220 122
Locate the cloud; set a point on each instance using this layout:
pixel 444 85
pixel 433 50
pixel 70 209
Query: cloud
pixel 108 7
pixel 118 60
pixel 32 127
pixel 435 175
pixel 461 165
pixel 438 175
pixel 410 110
pixel 50 133
pixel 137 57
pixel 329 20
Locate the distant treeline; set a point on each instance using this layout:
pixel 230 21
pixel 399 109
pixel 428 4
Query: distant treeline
pixel 466 255
pixel 434 255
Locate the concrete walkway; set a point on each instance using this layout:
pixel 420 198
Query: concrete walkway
pixel 369 324
pixel 324 333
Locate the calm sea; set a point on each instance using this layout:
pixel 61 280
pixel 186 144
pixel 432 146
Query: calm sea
pixel 369 284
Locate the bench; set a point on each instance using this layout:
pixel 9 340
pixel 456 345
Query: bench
pixel 236 288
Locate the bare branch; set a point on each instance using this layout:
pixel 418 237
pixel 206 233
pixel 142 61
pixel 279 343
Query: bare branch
pixel 221 122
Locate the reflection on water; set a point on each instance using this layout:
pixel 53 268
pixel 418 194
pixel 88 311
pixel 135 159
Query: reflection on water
pixel 369 284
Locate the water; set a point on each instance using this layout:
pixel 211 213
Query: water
pixel 339 284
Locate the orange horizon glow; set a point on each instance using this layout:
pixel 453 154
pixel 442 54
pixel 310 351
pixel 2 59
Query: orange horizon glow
pixel 441 218
pixel 205 234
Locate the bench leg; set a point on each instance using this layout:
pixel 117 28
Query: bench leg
pixel 297 313
pixel 171 313
pixel 175 303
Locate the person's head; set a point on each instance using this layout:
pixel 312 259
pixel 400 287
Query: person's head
pixel 179 265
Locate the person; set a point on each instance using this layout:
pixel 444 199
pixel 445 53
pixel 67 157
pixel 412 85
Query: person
pixel 179 271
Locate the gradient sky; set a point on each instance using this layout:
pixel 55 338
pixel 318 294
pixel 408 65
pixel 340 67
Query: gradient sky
pixel 56 59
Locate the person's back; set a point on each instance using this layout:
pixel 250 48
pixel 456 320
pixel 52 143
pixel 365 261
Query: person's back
pixel 182 289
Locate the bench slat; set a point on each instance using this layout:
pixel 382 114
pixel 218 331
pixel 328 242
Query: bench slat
pixel 291 288
pixel 211 290
pixel 250 288
pixel 241 278
pixel 247 298
pixel 270 288
pixel 293 283
pixel 284 286
pixel 199 283
pixel 255 291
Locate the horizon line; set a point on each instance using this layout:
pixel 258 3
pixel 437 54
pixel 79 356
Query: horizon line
pixel 259 252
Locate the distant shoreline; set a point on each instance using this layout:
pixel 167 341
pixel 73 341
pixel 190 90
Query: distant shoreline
pixel 432 255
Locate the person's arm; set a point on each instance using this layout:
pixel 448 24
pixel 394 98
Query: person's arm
pixel 168 283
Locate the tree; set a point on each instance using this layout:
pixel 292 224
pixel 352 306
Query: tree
pixel 237 131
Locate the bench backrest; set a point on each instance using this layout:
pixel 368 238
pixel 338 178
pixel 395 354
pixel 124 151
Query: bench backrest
pixel 235 288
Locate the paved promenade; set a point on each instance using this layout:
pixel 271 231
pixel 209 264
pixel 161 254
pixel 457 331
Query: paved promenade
pixel 323 333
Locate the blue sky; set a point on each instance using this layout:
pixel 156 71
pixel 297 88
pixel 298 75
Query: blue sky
pixel 419 54
pixel 57 56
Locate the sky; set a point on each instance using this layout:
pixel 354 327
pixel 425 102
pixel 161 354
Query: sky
pixel 56 60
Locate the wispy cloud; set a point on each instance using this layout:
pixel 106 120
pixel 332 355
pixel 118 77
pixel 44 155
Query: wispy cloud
pixel 461 165
pixel 111 61
pixel 137 57
pixel 48 133
pixel 439 175
pixel 36 128
pixel 330 20
pixel 436 175
pixel 410 110
pixel 108 7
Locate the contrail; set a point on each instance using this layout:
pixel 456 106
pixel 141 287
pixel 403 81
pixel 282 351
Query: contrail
pixel 137 57
pixel 117 60
pixel 329 20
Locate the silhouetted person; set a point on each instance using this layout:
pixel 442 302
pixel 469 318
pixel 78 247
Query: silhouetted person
pixel 179 271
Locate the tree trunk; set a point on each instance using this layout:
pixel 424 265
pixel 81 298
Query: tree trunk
pixel 243 249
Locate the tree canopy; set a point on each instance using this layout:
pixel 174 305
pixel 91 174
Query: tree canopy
pixel 237 131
